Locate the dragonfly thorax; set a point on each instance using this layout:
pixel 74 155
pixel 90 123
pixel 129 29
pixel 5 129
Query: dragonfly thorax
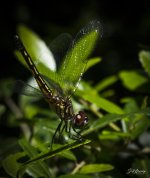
pixel 62 106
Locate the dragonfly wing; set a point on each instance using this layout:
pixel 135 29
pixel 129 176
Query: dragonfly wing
pixel 26 89
pixel 53 85
pixel 75 61
pixel 60 46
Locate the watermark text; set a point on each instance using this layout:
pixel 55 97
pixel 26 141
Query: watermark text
pixel 135 171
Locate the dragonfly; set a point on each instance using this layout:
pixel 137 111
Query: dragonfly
pixel 59 96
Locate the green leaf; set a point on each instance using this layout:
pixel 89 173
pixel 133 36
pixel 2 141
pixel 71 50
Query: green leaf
pixel 105 135
pixel 95 98
pixel 130 105
pixel 69 155
pixel 106 83
pixel 109 118
pixel 140 124
pixel 92 62
pixel 75 60
pixel 36 47
pixel 102 122
pixel 39 168
pixel 132 79
pixel 104 104
pixel 144 57
pixel 38 51
pixel 50 154
pixel 93 168
pixel 11 165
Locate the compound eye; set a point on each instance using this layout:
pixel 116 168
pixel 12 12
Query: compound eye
pixel 80 119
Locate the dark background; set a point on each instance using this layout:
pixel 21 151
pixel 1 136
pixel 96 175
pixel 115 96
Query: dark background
pixel 126 28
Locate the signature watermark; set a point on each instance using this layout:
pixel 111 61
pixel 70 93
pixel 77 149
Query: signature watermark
pixel 135 171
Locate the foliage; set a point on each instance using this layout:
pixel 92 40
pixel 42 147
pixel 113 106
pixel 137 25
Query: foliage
pixel 115 131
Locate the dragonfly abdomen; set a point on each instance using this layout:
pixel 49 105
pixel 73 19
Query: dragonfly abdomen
pixel 41 83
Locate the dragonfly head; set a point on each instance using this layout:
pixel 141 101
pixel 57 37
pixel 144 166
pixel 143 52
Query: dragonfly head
pixel 80 120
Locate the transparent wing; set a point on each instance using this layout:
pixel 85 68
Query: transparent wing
pixel 60 46
pixel 26 89
pixel 53 86
pixel 75 61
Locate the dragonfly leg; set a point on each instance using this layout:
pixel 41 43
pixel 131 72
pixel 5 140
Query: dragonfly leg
pixel 68 125
pixel 68 130
pixel 78 136
pixel 61 131
pixel 57 130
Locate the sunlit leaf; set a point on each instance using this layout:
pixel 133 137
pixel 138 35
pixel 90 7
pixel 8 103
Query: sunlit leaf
pixel 93 168
pixel 38 51
pixel 36 47
pixel 92 62
pixel 90 94
pixel 132 79
pixel 76 58
pixel 106 82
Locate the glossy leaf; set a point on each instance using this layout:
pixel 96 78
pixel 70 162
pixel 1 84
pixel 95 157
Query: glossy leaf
pixel 103 103
pixel 92 62
pixel 75 61
pixel 95 98
pixel 93 168
pixel 36 47
pixel 106 82
pixel 38 51
pixel 132 79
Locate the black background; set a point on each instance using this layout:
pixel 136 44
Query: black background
pixel 126 28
